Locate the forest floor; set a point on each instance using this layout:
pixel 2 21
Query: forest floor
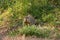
pixel 3 36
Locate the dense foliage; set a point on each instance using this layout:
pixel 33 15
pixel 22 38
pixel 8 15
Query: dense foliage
pixel 12 11
pixel 46 12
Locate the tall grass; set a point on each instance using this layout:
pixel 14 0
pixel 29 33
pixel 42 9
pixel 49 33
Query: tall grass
pixel 31 31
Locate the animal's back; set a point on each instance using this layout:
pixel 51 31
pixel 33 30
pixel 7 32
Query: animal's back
pixel 29 20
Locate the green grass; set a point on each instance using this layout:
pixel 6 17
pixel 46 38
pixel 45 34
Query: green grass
pixel 43 32
pixel 31 31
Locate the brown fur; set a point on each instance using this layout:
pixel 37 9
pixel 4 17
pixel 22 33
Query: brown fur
pixel 28 20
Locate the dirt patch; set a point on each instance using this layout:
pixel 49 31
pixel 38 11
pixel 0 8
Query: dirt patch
pixel 24 38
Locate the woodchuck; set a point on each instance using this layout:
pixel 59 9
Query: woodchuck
pixel 29 20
